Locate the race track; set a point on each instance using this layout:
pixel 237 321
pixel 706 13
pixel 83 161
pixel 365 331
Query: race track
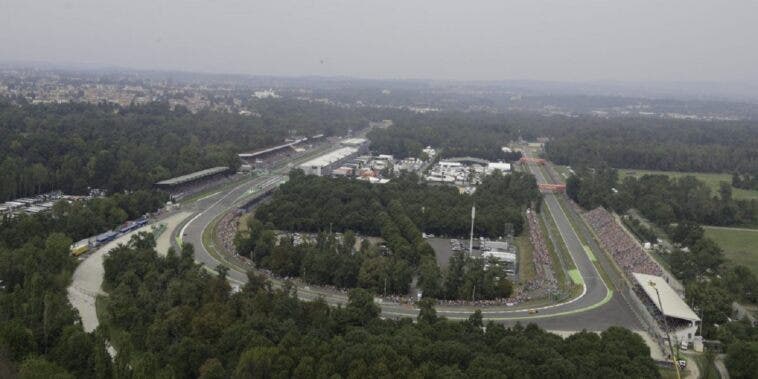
pixel 596 308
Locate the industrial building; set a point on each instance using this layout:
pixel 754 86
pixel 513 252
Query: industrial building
pixel 324 164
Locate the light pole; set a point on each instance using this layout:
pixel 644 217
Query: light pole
pixel 666 325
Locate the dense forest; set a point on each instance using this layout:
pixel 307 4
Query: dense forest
pixel 38 326
pixel 455 134
pixel 662 199
pixel 622 142
pixel 333 260
pixel 654 144
pixel 173 319
pixel 397 212
pixel 311 203
pixel 75 146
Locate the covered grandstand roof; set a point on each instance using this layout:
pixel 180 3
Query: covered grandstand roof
pixel 193 176
pixel 270 149
pixel 673 305
pixel 330 158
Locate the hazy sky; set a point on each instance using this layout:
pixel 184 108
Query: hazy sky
pixel 567 40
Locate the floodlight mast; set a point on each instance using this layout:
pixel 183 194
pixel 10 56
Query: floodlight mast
pixel 666 325
pixel 471 237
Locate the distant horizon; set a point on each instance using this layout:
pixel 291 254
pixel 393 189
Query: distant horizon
pixel 94 66
pixel 734 91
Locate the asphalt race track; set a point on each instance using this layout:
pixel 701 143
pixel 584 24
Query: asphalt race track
pixel 595 309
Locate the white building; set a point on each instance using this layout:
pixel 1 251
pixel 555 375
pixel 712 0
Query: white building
pixel 503 256
pixel 429 152
pixel 447 164
pixel 325 163
pixel 502 166
pixel 354 142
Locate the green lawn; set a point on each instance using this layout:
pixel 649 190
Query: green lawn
pixel 740 245
pixel 711 179
pixel 526 258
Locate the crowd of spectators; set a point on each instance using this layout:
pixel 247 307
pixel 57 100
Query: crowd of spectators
pixel 544 278
pixel 226 230
pixel 625 250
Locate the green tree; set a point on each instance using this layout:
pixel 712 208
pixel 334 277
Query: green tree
pixel 39 368
pixel 361 307
pixel 742 360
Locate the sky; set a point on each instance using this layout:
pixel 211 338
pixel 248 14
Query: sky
pixel 564 40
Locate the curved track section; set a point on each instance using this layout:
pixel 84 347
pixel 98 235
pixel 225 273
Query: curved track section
pixel 595 309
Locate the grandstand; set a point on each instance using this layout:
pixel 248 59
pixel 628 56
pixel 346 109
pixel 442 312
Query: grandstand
pixel 182 185
pixel 255 156
pixel 670 311
pixel 627 253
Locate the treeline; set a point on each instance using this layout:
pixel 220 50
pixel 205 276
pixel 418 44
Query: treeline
pixel 75 146
pixel 199 328
pixel 622 142
pixel 456 134
pixel 655 144
pixel 311 203
pixel 661 199
pixel 40 332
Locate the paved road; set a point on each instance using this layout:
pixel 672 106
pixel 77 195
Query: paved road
pixel 719 362
pixel 86 283
pixel 595 309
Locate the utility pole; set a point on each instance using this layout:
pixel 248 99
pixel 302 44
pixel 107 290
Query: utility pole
pixel 423 220
pixel 471 238
pixel 666 325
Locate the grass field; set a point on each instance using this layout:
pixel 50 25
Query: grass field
pixel 526 257
pixel 740 245
pixel 711 179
